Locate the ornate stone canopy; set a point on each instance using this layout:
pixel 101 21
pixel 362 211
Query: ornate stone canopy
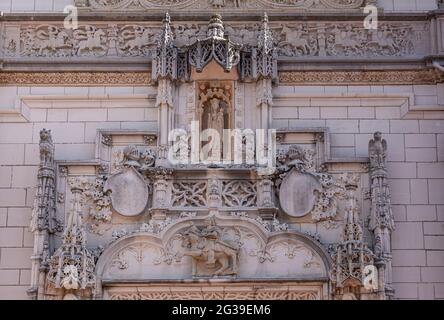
pixel 177 61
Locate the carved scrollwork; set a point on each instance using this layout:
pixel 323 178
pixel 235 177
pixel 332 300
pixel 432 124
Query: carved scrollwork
pixel 95 201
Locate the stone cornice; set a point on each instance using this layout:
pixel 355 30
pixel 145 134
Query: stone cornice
pixel 358 77
pixel 248 16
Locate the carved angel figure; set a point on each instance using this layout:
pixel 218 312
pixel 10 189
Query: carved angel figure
pixel 70 280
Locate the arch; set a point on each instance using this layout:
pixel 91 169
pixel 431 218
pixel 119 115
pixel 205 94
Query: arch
pixel 263 255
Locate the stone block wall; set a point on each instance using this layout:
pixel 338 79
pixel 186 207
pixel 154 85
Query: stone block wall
pixel 74 125
pixel 416 165
pixel 352 114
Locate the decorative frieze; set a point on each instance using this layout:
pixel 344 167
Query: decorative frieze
pixel 424 76
pixel 250 44
pixel 76 79
pixel 387 77
pixel 124 5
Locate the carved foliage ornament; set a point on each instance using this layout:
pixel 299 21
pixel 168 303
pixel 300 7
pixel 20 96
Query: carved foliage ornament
pixel 227 294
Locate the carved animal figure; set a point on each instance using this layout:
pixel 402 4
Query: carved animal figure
pixel 377 151
pixel 384 40
pixel 90 40
pixel 46 147
pixel 141 39
pixel 346 39
pixel 294 39
pixel 51 40
pixel 206 247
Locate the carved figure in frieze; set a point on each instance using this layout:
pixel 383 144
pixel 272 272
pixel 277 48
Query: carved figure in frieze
pixel 295 38
pixel 384 38
pixel 136 40
pixel 207 246
pixel 51 39
pixel 347 39
pixel 90 41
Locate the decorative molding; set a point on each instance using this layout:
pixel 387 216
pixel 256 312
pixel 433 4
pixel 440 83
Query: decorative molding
pixel 423 76
pixel 283 293
pixel 389 77
pixel 76 79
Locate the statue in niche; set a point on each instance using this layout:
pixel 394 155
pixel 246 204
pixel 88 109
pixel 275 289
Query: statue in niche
pixel 216 116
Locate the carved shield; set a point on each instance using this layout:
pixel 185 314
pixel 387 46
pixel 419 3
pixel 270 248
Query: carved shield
pixel 129 192
pixel 297 193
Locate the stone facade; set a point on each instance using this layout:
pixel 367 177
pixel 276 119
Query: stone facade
pixel 90 206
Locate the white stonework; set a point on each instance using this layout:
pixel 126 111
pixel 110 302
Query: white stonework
pixel 90 206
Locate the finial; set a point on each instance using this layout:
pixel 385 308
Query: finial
pixel 216 26
pixel 167 18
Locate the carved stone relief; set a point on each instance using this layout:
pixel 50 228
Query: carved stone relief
pixel 128 189
pixel 310 39
pixel 193 246
pixel 283 292
pixel 128 192
pixel 295 200
pixel 222 4
pixel 304 190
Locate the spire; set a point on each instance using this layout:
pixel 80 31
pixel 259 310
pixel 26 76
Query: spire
pixel 166 37
pixel 165 57
pixel 265 41
pixel 264 56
